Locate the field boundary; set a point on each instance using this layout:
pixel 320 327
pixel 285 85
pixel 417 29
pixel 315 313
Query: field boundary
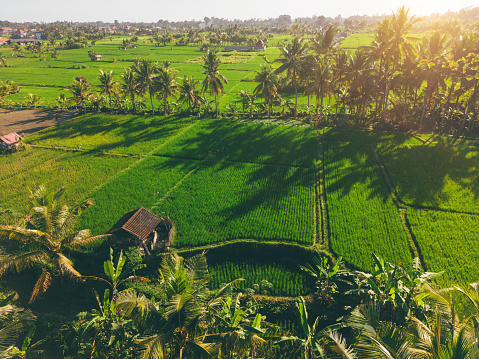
pixel 402 210
pixel 326 233
pixel 136 163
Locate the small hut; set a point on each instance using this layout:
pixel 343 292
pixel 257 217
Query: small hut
pixel 10 141
pixel 82 79
pixel 143 229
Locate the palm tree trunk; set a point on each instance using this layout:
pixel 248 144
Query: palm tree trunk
pixel 111 108
pixel 216 104
pixel 295 100
pixel 133 99
pixel 151 101
pixel 423 110
pixel 165 103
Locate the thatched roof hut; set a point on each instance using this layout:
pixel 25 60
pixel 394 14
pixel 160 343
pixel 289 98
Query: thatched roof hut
pixel 143 229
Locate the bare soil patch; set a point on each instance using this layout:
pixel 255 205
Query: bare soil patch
pixel 29 121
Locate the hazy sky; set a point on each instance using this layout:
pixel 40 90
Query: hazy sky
pixel 152 11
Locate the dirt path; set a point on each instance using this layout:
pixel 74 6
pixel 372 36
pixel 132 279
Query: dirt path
pixel 29 121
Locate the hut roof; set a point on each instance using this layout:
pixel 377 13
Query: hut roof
pixel 81 79
pixel 139 223
pixel 10 139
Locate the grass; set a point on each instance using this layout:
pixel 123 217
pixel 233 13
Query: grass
pixel 134 135
pixel 448 242
pixel 363 217
pixel 141 185
pixel 286 281
pixel 224 201
pixel 79 172
pixel 437 175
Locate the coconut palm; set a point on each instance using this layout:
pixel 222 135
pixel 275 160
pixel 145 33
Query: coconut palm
pixel 146 71
pixel 268 85
pixel 213 82
pixel 48 234
pixel 80 93
pixel 321 79
pixel 293 58
pixel 396 46
pixel 325 41
pixel 130 87
pixel 107 85
pixel 14 322
pixel 183 309
pixel 189 95
pixel 165 85
pixel 315 343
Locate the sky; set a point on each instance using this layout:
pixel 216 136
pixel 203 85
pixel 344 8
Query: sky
pixel 154 10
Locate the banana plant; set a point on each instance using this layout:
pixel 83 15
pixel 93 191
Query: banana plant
pixel 115 276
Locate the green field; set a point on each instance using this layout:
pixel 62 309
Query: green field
pixel 448 242
pixel 436 175
pixel 226 182
pixel 363 218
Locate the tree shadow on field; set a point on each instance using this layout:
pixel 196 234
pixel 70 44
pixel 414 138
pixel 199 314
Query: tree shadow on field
pixel 129 134
pixel 421 174
pixel 349 160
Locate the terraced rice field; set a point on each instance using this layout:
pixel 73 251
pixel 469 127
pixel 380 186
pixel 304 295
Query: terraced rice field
pixel 223 181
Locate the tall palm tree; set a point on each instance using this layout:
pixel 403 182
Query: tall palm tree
pixel 396 46
pixel 80 93
pixel 188 92
pixel 325 41
pixel 321 79
pixel 107 85
pixel 165 85
pixel 130 87
pixel 213 82
pixel 268 85
pixel 49 232
pixel 146 71
pixel 294 56
pixel 433 49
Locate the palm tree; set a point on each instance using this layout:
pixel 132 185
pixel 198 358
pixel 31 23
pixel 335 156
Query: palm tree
pixel 146 71
pixel 14 322
pixel 188 92
pixel 3 60
pixel 213 82
pixel 165 84
pixel 130 87
pixel 183 308
pixel 325 41
pixel 294 55
pixel 395 45
pixel 80 92
pixel 49 232
pixel 433 49
pixel 267 84
pixel 321 79
pixel 316 343
pixel 108 86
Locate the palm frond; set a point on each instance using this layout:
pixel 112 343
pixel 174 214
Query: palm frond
pixel 17 263
pixel 41 286
pixel 66 266
pixel 152 347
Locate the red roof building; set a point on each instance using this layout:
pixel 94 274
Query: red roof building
pixel 143 229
